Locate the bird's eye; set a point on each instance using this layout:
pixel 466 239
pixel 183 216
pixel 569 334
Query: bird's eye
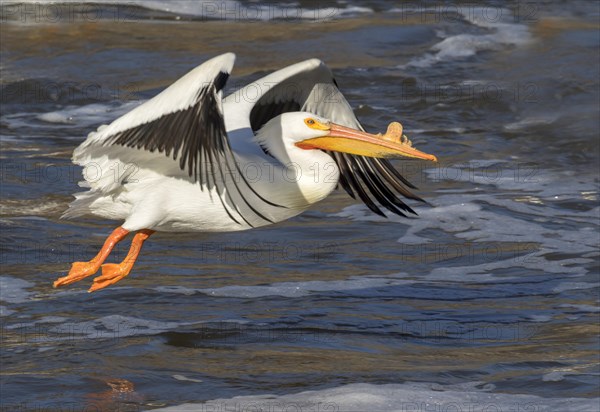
pixel 315 124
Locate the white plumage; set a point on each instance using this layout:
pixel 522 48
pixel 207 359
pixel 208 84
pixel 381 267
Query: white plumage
pixel 189 160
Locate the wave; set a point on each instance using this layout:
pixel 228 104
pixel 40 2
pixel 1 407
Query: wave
pixel 527 212
pixel 177 9
pixel 409 397
pixel 296 289
pixel 14 290
pixel 499 33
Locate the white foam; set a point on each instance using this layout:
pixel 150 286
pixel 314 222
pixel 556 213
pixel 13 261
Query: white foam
pixel 54 117
pixel 227 9
pixel 473 217
pixel 236 10
pixel 90 114
pixel 407 397
pixel 460 215
pixel 185 378
pixel 86 116
pixel 501 34
pixel 481 273
pixel 538 120
pixel 555 376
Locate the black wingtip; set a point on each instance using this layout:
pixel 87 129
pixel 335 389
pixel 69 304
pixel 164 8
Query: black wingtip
pixel 377 178
pixel 220 80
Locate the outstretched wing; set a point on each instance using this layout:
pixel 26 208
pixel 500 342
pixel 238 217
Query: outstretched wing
pixel 310 86
pixel 185 123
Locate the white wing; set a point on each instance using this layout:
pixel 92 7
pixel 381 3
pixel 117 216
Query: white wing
pixel 305 86
pixel 309 86
pixel 181 133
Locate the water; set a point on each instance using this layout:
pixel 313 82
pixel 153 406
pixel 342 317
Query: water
pixel 489 299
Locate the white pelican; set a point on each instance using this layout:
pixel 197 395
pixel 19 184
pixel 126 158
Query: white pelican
pixel 188 160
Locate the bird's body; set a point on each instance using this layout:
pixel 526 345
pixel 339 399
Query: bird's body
pixel 152 192
pixel 188 160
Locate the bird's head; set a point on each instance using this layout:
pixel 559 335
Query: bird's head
pixel 310 132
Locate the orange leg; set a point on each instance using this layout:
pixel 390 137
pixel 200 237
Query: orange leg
pixel 112 272
pixel 80 270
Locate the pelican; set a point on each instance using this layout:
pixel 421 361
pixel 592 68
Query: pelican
pixel 189 160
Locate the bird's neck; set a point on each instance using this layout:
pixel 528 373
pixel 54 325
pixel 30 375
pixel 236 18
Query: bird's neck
pixel 300 177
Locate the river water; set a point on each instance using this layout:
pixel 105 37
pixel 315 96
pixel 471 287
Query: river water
pixel 488 299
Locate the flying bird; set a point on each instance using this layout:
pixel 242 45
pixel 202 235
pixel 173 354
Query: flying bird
pixel 189 160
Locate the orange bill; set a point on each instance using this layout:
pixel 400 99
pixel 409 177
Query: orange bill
pixel 347 140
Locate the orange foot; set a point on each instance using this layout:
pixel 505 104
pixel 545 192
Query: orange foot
pixel 111 274
pixel 79 270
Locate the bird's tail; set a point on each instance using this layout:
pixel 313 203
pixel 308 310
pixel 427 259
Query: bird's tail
pixel 82 205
